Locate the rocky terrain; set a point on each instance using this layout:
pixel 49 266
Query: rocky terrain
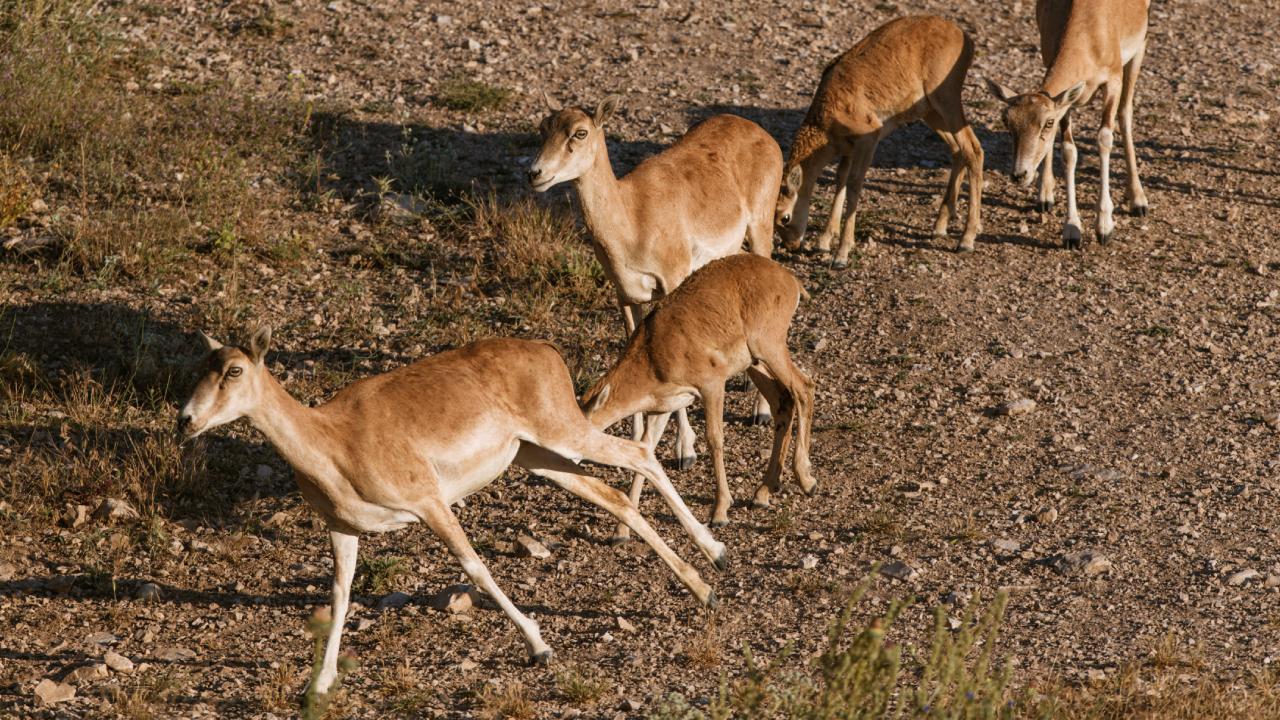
pixel 1094 432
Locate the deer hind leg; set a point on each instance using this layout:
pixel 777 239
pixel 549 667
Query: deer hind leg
pixel 863 150
pixel 783 412
pixel 832 231
pixel 1106 140
pixel 654 426
pixel 1071 231
pixel 799 388
pixel 971 150
pixel 557 469
pixel 1137 198
pixel 345 548
pixel 444 524
pixel 713 406
pixel 590 444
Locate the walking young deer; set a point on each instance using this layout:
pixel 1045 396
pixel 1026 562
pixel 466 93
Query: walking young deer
pixel 1085 44
pixel 731 315
pixel 402 447
pixel 690 204
pixel 908 69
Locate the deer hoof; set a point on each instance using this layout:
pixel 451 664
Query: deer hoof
pixel 542 659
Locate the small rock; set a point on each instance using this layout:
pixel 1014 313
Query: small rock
pixel 88 673
pixel 528 547
pixel 113 509
pixel 7 571
pixel 444 19
pixel 1241 577
pixel 472 44
pixel 1008 547
pixel 1089 562
pixel 148 591
pixel 625 624
pixel 38 207
pixel 396 599
pixel 1272 580
pixel 49 692
pixel 101 638
pixel 75 516
pixel 174 654
pixel 1272 420
pixel 809 562
pixel 898 570
pixel 468 665
pixel 631 705
pixel 1047 515
pixel 117 662
pixel 1021 406
pixel 455 599
pixel 364 624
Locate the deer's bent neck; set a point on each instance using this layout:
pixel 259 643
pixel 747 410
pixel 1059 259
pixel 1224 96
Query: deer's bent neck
pixel 606 206
pixel 297 432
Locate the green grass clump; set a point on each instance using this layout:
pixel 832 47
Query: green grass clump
pixel 472 95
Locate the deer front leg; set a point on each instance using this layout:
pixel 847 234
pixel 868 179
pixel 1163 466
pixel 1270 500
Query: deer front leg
pixel 713 405
pixel 832 231
pixel 445 525
pixel 863 150
pixel 1106 140
pixel 1071 231
pixel 1044 203
pixel 345 548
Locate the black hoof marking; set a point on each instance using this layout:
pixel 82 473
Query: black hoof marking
pixel 712 601
pixel 542 659
pixel 718 523
pixel 617 540
pixel 1139 211
pixel 963 249
pixel 722 562
pixel 685 463
pixel 1044 205
pixel 840 264
pixel 759 419
pixel 1104 239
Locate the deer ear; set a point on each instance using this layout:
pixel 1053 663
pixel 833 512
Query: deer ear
pixel 259 342
pixel 209 342
pixel 1068 97
pixel 1001 93
pixel 606 109
pixel 552 104
pixel 794 176
pixel 597 402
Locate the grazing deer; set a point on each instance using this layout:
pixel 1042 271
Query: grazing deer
pixel 401 447
pixel 731 315
pixel 908 69
pixel 678 210
pixel 1085 44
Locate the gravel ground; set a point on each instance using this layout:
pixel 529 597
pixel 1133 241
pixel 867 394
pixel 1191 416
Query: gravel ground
pixel 1152 364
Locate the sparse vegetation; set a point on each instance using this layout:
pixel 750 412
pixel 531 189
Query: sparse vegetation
pixel 377 575
pixel 581 687
pixel 471 95
pixel 507 701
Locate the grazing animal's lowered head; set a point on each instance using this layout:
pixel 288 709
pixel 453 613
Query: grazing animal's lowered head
pixel 789 220
pixel 571 138
pixel 1032 118
pixel 230 385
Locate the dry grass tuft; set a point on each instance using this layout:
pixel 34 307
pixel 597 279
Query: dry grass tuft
pixel 509 701
pixel 580 688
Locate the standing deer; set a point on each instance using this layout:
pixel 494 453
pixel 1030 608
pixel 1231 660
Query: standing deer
pixel 678 210
pixel 731 315
pixel 908 69
pixel 1085 44
pixel 401 447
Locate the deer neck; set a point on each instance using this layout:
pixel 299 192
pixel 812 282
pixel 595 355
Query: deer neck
pixel 811 151
pixel 606 206
pixel 297 432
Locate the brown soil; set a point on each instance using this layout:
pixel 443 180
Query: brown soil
pixel 1152 361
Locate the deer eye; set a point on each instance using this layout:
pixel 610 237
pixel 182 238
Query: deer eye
pixel 580 134
pixel 234 371
pixel 1048 125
